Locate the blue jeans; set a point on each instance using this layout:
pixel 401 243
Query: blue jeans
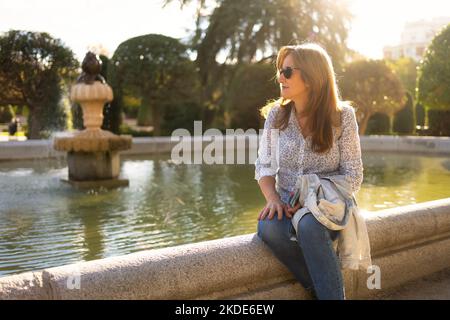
pixel 311 259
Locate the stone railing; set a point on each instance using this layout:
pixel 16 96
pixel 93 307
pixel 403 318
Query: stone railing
pixel 407 243
pixel 44 148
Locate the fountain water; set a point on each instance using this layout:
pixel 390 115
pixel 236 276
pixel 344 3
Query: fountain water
pixel 93 154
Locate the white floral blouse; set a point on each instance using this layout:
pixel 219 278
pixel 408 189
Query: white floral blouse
pixel 288 155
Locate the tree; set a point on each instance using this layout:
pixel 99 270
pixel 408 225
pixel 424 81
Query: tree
pixel 404 120
pixel 434 83
pixel 157 69
pixel 406 70
pixel 434 73
pixel 180 115
pixel 33 69
pixel 249 31
pixel 108 113
pixel 373 87
pixel 252 86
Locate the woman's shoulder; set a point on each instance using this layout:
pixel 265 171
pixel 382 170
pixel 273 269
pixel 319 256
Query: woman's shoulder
pixel 347 113
pixel 274 110
pixel 346 118
pixel 271 110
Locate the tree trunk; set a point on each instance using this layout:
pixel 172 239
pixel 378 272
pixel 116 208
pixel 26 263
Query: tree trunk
pixel 208 118
pixel 364 122
pixel 34 123
pixel 156 117
pixel 144 114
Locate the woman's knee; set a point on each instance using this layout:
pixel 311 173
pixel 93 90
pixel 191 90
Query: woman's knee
pixel 308 226
pixel 270 229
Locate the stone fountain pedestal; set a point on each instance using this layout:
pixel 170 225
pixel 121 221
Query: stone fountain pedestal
pixel 93 154
pixel 93 158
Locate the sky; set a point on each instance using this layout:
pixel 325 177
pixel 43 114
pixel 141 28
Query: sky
pixel 107 23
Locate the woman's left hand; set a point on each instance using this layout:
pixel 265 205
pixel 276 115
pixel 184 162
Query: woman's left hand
pixel 293 210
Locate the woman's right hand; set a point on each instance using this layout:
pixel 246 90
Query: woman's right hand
pixel 273 206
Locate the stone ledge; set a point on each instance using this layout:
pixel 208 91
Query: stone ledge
pixel 31 149
pixel 432 287
pixel 425 144
pixel 408 243
pixel 93 144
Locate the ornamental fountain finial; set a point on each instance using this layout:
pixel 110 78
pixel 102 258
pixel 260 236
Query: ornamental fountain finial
pixel 91 66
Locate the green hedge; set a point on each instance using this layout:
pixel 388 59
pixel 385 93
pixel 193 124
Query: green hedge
pixel 438 122
pixel 379 123
pixel 420 115
pixel 404 122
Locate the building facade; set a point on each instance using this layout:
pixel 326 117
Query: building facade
pixel 415 38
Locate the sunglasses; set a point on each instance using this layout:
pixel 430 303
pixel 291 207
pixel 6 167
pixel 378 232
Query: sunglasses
pixel 287 72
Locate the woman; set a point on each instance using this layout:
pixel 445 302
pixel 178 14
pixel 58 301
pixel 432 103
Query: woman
pixel 316 133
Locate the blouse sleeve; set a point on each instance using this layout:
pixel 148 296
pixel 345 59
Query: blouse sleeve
pixel 267 162
pixel 350 165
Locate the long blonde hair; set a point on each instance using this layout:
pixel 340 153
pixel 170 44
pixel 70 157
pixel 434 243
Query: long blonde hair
pixel 323 104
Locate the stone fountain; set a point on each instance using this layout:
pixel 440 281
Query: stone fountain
pixel 93 154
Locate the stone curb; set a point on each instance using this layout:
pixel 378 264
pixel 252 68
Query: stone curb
pixel 407 243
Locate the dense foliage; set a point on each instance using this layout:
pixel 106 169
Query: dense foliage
pixel 373 87
pixel 33 70
pixel 156 69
